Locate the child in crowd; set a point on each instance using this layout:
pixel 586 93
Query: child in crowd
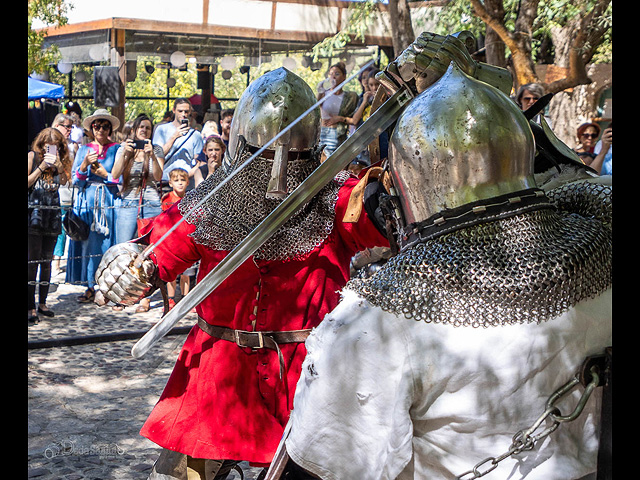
pixel 178 181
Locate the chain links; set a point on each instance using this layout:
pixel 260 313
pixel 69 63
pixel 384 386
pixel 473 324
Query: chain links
pixel 491 274
pixel 228 216
pixel 525 440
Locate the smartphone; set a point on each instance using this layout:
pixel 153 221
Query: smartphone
pixel 52 149
pixel 139 144
pixel 184 122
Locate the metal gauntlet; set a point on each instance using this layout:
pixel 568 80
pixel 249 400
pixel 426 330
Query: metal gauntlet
pixel 119 281
pixel 428 57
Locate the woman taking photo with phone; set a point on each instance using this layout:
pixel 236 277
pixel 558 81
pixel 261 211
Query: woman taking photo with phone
pixel 587 135
pixel 139 164
pixel 48 167
pixel 95 201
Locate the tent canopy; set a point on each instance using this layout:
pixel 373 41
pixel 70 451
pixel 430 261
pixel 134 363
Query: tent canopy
pixel 39 89
pixel 197 99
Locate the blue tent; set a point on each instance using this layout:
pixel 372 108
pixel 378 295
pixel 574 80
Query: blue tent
pixel 39 89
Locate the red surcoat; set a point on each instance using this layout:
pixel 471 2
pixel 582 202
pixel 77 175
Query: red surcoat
pixel 227 402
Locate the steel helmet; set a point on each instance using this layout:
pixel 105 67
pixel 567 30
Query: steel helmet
pixel 459 141
pixel 271 103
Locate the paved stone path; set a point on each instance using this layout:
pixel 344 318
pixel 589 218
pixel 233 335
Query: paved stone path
pixel 87 403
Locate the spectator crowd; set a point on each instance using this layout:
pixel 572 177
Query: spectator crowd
pixel 94 183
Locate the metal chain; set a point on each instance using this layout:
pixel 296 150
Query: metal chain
pixel 145 203
pixel 525 439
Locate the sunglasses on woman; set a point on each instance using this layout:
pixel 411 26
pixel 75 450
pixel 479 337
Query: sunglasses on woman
pixel 590 135
pixel 101 126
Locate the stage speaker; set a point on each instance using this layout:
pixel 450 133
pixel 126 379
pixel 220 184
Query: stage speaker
pixel 204 78
pixel 132 70
pixel 106 87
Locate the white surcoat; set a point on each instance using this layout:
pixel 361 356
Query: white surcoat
pixel 385 397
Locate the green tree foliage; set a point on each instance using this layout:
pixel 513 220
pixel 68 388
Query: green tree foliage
pixel 568 33
pixel 155 84
pixel 460 15
pixel 49 13
pixel 361 16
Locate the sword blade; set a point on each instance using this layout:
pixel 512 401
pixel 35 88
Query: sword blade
pixel 321 176
pixel 281 457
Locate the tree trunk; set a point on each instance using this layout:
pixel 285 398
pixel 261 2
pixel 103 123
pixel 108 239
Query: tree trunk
pixel 578 40
pixel 495 49
pixel 401 27
pixel 494 46
pixel 518 41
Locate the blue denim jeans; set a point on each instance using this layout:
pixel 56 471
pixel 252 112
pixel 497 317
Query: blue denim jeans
pixel 127 216
pixel 329 138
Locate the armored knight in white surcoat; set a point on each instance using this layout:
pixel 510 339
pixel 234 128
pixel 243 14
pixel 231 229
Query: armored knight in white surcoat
pixel 430 366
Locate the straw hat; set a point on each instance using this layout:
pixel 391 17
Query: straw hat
pixel 101 114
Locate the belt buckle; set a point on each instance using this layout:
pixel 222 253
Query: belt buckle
pixel 260 335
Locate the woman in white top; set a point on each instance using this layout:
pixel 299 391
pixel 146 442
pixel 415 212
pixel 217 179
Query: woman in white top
pixel 335 109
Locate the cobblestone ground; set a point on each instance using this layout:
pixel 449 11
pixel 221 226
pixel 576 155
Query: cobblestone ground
pixel 87 403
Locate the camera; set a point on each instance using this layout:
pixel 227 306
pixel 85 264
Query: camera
pixel 139 144
pixel 184 121
pixel 41 218
pixel 36 217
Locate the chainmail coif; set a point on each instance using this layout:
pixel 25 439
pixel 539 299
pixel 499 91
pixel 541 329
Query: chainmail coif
pixel 529 267
pixel 229 215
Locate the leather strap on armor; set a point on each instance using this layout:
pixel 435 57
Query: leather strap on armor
pixel 256 340
pixel 356 199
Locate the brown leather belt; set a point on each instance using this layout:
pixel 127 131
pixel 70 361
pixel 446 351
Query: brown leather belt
pixel 256 340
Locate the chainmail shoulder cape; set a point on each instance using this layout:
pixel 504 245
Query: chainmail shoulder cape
pixel 230 214
pixel 527 267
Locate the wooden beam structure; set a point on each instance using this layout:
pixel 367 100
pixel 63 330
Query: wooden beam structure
pixel 309 38
pixel 204 29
